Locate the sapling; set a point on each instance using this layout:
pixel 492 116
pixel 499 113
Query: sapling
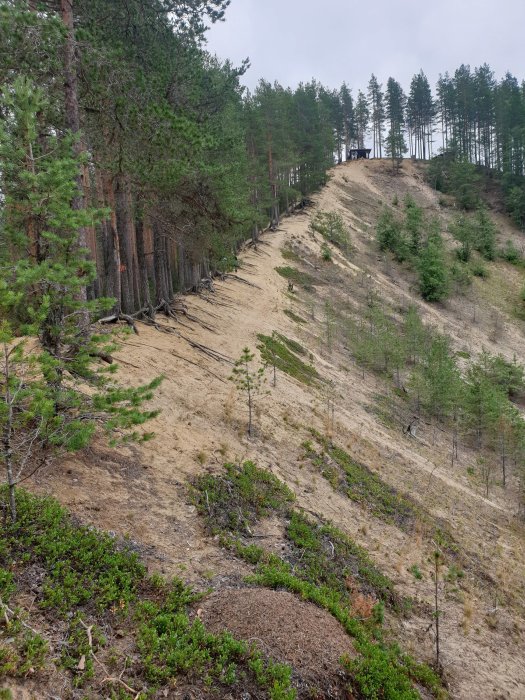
pixel 248 381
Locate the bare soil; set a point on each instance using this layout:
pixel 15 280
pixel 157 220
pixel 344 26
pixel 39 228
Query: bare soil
pixel 307 638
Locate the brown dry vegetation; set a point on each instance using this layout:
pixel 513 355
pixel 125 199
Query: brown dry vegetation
pixel 142 492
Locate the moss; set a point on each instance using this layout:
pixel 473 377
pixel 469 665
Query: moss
pixel 282 352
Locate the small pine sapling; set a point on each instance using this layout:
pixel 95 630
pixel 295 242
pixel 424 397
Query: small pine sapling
pixel 248 381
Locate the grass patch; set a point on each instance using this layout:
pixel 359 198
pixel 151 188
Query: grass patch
pixel 236 500
pixel 290 255
pixel 322 565
pixel 302 279
pixel 282 352
pixel 359 483
pixel 295 317
pixel 80 579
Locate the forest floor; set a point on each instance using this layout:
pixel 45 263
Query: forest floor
pixel 143 492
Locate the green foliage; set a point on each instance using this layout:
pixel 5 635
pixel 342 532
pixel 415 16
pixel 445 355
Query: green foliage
pixel 375 679
pixel 247 380
pixel 281 352
pixel 478 269
pixel 458 177
pixel 390 235
pixel 475 233
pixel 295 317
pixel 77 647
pixel 297 277
pixel 24 653
pixel 236 500
pixel 318 564
pixel 332 228
pixel 172 645
pixel 86 573
pixel 326 253
pixel 83 567
pixel 289 254
pixel 327 557
pixel 414 222
pixel 433 275
pixel 416 572
pixel 515 203
pixel 511 254
pixel 363 486
pixel 44 272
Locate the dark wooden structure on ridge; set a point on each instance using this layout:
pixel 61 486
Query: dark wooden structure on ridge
pixel 358 153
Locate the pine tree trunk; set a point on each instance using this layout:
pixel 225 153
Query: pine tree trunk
pixel 111 246
pixel 125 238
pixel 145 297
pixel 162 290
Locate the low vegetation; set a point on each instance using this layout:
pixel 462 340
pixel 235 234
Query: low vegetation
pixel 332 228
pixel 84 581
pixel 320 564
pixel 295 317
pixel 474 398
pixel 358 482
pixel 282 353
pixel 302 279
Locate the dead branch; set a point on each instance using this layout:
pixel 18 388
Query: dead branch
pixel 108 678
pixel 115 318
pixel 6 611
pixel 241 279
pixel 195 364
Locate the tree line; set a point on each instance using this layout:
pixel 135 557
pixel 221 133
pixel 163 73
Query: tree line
pixel 180 160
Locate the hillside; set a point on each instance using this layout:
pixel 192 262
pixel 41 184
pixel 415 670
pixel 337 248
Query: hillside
pixel 144 492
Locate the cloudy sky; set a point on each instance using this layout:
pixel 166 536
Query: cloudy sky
pixel 344 40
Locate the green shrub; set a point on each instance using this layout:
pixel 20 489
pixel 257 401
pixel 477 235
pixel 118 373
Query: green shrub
pixel 326 253
pixel 363 486
pixel 294 316
pixel 235 501
pixel 478 269
pixel 510 254
pixel 332 228
pixel 82 566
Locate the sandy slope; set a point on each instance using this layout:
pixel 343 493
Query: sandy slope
pixel 143 493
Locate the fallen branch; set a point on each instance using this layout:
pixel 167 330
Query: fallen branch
pixel 6 610
pixel 115 318
pixel 195 364
pixel 108 678
pixel 241 279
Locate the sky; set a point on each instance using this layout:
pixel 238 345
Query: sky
pixel 340 41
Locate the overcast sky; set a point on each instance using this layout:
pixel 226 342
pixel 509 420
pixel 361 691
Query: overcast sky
pixel 344 40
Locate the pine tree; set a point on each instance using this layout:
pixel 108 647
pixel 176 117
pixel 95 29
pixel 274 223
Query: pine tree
pixel 433 276
pixel 377 115
pixel 362 119
pixel 45 407
pixel 248 381
pixel 395 102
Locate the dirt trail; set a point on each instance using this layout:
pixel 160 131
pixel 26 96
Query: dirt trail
pixel 143 492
